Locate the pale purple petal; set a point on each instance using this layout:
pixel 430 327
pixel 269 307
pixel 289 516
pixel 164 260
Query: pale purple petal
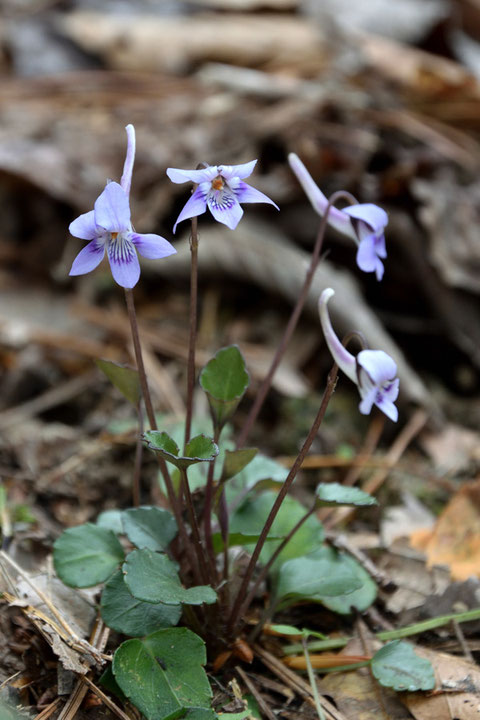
pixel 197 176
pixel 371 214
pixel 336 218
pixel 194 207
pixel 224 207
pixel 83 226
pixel 123 262
pixel 247 194
pixel 152 246
pixel 387 407
pixel 112 210
pixel 241 171
pixel 344 359
pixel 378 364
pixel 89 258
pixel 367 257
pixel 126 180
pixel 368 399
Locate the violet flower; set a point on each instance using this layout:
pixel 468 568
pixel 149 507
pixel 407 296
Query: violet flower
pixel 221 189
pixel 373 371
pixel 364 223
pixel 108 228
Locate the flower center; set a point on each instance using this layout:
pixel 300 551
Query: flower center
pixel 217 183
pixel 120 248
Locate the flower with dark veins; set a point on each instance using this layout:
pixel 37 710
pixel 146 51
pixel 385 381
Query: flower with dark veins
pixel 108 227
pixel 373 371
pixel 221 189
pixel 365 223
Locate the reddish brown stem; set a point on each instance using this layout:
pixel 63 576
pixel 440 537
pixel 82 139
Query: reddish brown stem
pixel 173 500
pixel 193 327
pixel 194 525
pixel 292 323
pixel 235 615
pixel 138 459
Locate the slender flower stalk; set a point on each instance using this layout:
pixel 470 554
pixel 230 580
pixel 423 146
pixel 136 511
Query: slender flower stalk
pixel 294 317
pixel 172 497
pixel 236 613
pixel 207 513
pixel 197 542
pixel 266 569
pixel 138 459
pixel 192 341
pixel 373 371
pixel 364 223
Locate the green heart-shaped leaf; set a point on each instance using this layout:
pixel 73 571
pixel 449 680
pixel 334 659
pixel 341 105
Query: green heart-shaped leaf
pixel 163 674
pixel 250 518
pixel 359 599
pixel 149 527
pixel 123 378
pixel 332 494
pixel 111 520
pixel 200 449
pixel 86 555
pixel 153 577
pixel 304 578
pixel 130 616
pixel 236 461
pixel 397 666
pixel 225 380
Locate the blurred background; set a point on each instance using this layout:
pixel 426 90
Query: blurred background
pixel 379 98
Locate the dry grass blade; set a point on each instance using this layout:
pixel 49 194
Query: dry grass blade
pixel 105 699
pixel 298 684
pixel 47 711
pixel 98 637
pixel 258 697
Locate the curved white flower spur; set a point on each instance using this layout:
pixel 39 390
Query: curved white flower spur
pixel 365 223
pixel 221 189
pixel 373 371
pixel 109 229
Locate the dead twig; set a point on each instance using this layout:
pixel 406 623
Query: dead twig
pixel 258 697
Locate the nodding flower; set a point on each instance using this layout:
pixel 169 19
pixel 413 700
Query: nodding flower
pixel 109 229
pixel 221 189
pixel 363 223
pixel 373 371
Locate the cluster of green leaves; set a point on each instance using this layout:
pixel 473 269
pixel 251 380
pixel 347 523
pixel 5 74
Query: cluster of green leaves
pixel 160 669
pixel 142 598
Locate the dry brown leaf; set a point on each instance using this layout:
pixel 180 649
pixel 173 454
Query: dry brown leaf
pixel 355 693
pixel 455 539
pixel 458 694
pixel 453 448
pixel 414 582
